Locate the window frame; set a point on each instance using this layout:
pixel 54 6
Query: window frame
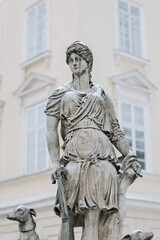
pixel 132 86
pixel 34 90
pixel 147 125
pixel 41 54
pixel 24 132
pixel 118 50
pixel 135 127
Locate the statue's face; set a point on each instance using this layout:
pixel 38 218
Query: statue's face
pixel 77 64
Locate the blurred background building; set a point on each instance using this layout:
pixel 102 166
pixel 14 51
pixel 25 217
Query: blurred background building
pixel 124 36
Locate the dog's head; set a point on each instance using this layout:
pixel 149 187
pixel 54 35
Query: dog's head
pixel 138 235
pixel 21 214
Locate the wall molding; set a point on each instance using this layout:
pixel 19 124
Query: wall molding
pixel 143 202
pixel 25 178
pixel 133 201
pixel 39 201
pixel 34 89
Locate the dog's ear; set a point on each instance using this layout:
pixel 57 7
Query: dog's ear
pixel 32 211
pixel 127 237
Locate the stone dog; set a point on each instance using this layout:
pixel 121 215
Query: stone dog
pixel 138 235
pixel 26 223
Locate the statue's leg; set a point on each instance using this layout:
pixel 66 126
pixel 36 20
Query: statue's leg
pixel 90 230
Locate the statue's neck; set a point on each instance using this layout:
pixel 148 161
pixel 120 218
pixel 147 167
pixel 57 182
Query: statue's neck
pixel 81 83
pixel 27 226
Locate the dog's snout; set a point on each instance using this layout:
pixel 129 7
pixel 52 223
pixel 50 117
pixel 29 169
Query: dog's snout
pixel 11 216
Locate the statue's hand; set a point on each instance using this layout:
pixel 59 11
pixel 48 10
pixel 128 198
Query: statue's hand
pixel 58 172
pixel 54 170
pixel 137 168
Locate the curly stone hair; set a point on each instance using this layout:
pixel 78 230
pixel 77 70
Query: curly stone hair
pixel 82 50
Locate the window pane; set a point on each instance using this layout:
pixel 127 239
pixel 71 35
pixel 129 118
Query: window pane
pixel 130 28
pixel 140 145
pixel 136 37
pixel 126 107
pixel 135 11
pixel 31 13
pixel 138 113
pixel 126 112
pixel 139 135
pixel 36 30
pixel 36 148
pixel 142 164
pixel 140 154
pixel 41 9
pixel 31 33
pixel 41 150
pixel 123 6
pixel 124 32
pixel 129 141
pixel 41 27
pixel 41 115
pixel 41 35
pixel 30 152
pixel 31 119
pixel 127 132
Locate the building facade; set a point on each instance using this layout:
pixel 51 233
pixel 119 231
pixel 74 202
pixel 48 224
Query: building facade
pixel 124 37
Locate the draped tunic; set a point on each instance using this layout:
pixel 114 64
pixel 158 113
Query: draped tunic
pixel 89 129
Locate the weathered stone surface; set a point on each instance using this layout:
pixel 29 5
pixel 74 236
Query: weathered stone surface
pixel 96 181
pixel 26 223
pixel 138 235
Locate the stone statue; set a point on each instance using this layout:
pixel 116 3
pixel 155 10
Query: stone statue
pixel 27 225
pixel 96 181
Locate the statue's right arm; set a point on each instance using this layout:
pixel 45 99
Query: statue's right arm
pixel 53 141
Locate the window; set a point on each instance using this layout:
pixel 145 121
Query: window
pixel 130 28
pixel 132 121
pixel 32 95
pixel 35 139
pixel 134 94
pixel 36 34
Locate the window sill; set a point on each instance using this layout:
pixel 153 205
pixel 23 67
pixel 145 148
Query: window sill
pixel 140 61
pixel 43 56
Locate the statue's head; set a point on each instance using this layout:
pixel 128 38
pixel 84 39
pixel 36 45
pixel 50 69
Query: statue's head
pixel 82 50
